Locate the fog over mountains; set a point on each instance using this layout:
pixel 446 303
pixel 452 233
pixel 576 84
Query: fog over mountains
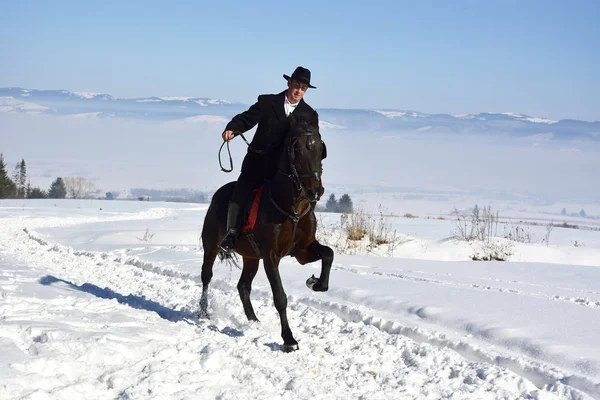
pixel 173 143
pixel 63 102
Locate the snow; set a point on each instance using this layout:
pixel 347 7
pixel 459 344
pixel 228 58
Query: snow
pixel 198 101
pixel 464 116
pixel 540 120
pixel 217 102
pixel 201 119
pixel 329 125
pixel 176 98
pixel 391 114
pixel 88 309
pixel 516 116
pixel 90 115
pixel 86 95
pixel 148 100
pixel 522 117
pixel 396 114
pixel 10 105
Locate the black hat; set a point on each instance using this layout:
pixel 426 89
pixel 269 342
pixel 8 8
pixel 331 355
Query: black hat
pixel 301 75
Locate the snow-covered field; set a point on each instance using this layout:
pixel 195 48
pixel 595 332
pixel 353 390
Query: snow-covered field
pixel 98 300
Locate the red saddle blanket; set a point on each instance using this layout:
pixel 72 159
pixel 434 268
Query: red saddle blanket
pixel 249 225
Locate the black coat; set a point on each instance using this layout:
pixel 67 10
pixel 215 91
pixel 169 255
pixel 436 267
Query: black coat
pixel 269 113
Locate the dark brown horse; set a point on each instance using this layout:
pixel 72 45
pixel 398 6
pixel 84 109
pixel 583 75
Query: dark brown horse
pixel 285 225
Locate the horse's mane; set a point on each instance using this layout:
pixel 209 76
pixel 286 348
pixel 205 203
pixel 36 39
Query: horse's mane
pixel 304 121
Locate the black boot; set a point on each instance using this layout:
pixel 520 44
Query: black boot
pixel 228 242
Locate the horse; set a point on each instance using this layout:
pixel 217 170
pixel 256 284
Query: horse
pixel 285 224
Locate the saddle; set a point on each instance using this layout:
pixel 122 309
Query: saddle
pixel 251 217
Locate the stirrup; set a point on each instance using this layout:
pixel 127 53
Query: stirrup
pixel 228 239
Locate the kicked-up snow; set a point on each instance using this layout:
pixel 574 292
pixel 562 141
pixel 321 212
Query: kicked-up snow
pixel 99 300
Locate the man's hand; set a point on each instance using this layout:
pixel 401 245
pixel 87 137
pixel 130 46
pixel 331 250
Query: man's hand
pixel 227 135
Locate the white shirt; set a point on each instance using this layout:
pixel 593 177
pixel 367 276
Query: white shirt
pixel 288 107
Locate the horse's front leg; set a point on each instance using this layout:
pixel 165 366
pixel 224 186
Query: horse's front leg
pixel 316 251
pixel 271 263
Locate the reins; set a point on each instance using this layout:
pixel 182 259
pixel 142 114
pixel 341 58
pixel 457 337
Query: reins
pixel 236 133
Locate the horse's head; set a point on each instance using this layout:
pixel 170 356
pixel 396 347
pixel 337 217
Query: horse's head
pixel 303 153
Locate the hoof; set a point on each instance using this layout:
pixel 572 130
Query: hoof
pixel 288 348
pixel 314 284
pixel 310 282
pixel 203 315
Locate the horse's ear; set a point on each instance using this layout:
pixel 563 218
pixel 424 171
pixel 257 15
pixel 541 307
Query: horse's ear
pixel 314 120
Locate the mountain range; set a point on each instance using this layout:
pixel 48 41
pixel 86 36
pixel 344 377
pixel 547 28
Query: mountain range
pixel 63 102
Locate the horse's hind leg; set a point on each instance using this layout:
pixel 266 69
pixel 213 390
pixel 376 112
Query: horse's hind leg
pixel 207 274
pixel 245 286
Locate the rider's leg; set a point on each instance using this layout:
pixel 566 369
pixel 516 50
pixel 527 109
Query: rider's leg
pixel 251 177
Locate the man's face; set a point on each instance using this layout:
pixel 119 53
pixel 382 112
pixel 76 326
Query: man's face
pixel 296 91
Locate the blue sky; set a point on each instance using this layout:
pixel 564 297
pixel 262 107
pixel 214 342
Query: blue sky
pixel 536 57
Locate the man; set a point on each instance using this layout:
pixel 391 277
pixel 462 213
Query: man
pixel 271 113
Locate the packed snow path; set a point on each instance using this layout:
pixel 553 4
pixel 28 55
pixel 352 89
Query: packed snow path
pixel 120 323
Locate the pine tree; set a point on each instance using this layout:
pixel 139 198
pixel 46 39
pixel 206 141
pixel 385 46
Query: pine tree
pixel 37 193
pixel 23 178
pixel 331 205
pixel 564 211
pixel 58 189
pixel 20 178
pixel 16 178
pixel 7 186
pixel 345 205
pixel 3 177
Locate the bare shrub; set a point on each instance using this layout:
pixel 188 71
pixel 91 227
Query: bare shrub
pixel 517 233
pixel 479 225
pixel 380 228
pixel 493 250
pixel 80 188
pixel 409 215
pixel 549 229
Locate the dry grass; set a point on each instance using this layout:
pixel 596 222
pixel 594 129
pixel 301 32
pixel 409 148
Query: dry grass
pixel 362 233
pixel 356 225
pixel 376 226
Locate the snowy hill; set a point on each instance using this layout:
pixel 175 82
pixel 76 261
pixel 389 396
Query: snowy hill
pixel 62 102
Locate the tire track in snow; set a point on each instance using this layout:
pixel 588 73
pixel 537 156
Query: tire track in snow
pixel 542 375
pixel 595 304
pixel 342 346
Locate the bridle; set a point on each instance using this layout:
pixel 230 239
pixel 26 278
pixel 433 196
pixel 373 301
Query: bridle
pixel 297 179
pixel 295 176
